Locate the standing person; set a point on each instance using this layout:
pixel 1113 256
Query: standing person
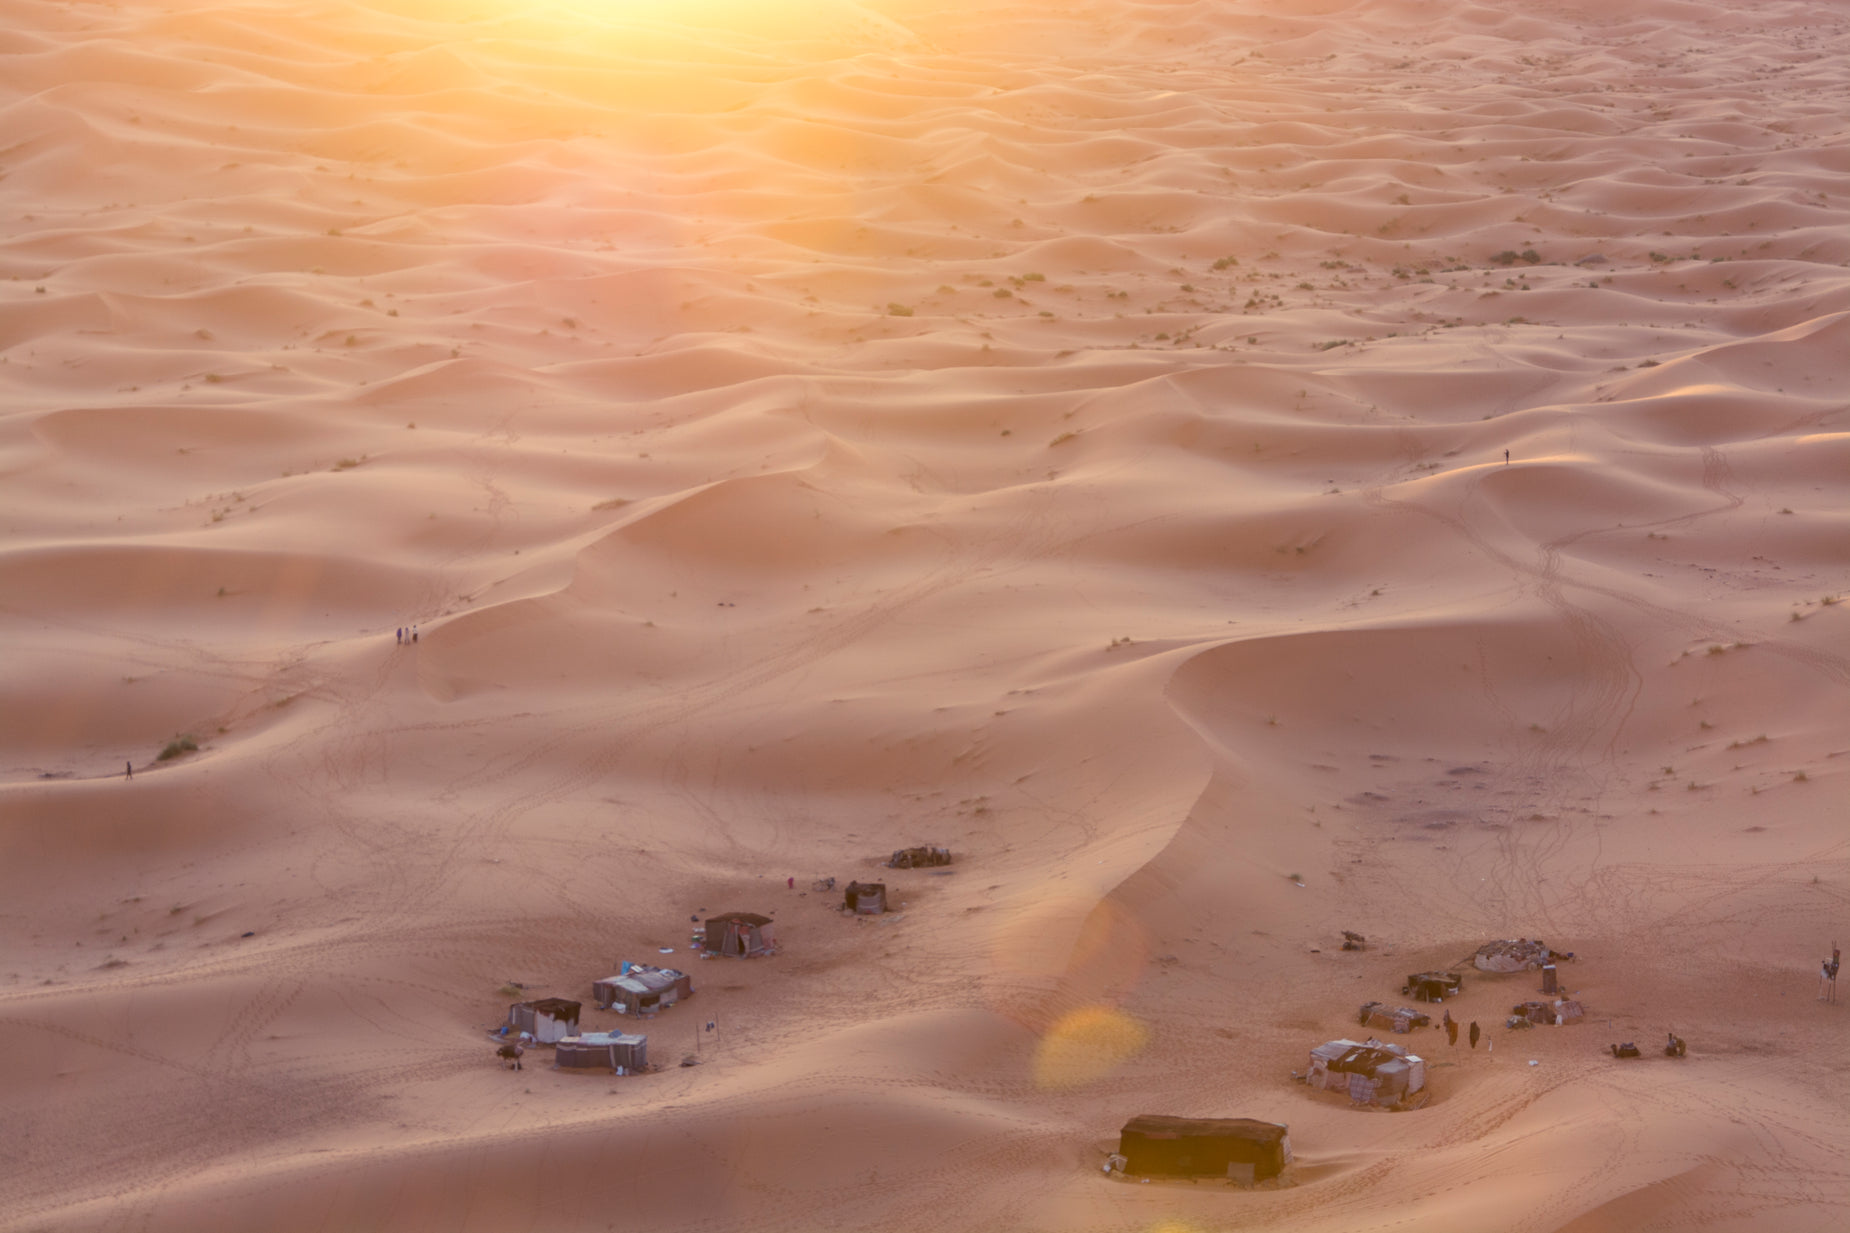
pixel 1474 1033
pixel 401 635
pixel 128 770
pixel 1451 1031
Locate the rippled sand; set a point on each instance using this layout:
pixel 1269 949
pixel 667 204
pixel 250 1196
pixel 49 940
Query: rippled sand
pixel 1233 471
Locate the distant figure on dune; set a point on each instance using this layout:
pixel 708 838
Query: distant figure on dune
pixel 1474 1033
pixel 128 771
pixel 401 635
pixel 1506 458
pixel 1451 1031
pixel 510 1053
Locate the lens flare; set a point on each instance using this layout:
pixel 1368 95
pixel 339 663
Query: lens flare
pixel 1086 1046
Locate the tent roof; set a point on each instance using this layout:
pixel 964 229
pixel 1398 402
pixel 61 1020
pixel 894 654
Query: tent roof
pixel 558 1008
pixel 743 918
pixel 1161 1126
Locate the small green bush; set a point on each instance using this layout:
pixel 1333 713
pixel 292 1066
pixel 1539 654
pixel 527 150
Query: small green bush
pixel 177 747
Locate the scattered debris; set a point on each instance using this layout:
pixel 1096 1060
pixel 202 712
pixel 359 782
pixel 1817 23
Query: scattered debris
pixel 919 858
pixel 1400 1019
pixel 1513 955
pixel 1561 1010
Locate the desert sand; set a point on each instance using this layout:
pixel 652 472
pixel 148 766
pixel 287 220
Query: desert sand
pixel 1232 471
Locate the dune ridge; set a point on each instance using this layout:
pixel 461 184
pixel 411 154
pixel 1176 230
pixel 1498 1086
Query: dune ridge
pixel 1234 470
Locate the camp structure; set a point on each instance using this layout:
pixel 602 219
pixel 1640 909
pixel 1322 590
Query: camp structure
pixel 739 934
pixel 865 898
pixel 618 1051
pixel 548 1020
pixel 641 990
pixel 919 858
pixel 1561 1010
pixel 1402 1019
pixel 1372 1073
pixel 1512 955
pixel 1433 986
pixel 1239 1149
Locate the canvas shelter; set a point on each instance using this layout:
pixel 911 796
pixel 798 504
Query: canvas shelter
pixel 919 858
pixel 865 898
pixel 548 1019
pixel 1433 986
pixel 1369 1071
pixel 1512 955
pixel 612 1050
pixel 1401 1019
pixel 740 934
pixel 641 989
pixel 1241 1149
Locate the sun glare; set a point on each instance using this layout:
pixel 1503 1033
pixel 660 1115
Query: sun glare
pixel 777 20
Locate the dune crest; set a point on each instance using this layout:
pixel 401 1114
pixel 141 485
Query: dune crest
pixel 511 481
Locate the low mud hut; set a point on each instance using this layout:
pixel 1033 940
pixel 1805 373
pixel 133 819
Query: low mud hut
pixel 1240 1149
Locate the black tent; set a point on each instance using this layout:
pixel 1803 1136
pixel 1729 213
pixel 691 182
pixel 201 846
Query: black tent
pixel 1239 1148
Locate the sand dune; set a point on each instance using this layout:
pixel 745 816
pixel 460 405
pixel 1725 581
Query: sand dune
pixel 1234 471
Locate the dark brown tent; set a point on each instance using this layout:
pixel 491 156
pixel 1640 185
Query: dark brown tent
pixel 865 898
pixel 1238 1148
pixel 740 934
pixel 1433 986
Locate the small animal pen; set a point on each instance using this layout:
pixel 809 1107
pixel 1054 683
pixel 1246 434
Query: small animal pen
pixel 1240 1149
pixel 865 898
